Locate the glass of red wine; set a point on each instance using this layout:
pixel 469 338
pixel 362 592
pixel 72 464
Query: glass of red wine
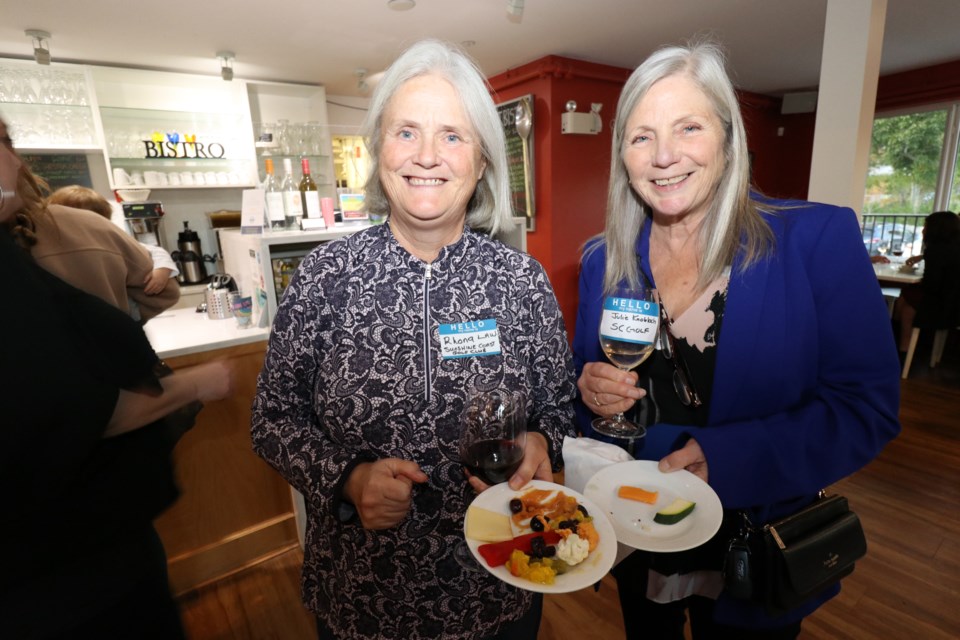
pixel 492 438
pixel 494 431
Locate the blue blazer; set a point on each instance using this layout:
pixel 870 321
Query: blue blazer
pixel 806 386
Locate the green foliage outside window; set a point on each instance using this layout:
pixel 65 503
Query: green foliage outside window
pixel 904 159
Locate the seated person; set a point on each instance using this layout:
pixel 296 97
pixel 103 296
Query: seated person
pixel 934 302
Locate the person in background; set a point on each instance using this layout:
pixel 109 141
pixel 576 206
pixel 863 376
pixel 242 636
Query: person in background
pixel 79 197
pixel 87 251
pixel 934 302
pixel 86 449
pixel 359 402
pixel 772 306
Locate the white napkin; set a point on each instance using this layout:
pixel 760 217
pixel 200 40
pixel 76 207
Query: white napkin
pixel 583 457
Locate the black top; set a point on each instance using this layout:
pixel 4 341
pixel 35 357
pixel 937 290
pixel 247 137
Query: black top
pixel 76 506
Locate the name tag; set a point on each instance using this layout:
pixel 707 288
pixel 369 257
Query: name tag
pixel 468 339
pixel 629 320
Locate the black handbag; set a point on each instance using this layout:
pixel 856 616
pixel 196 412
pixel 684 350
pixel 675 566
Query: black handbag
pixel 785 563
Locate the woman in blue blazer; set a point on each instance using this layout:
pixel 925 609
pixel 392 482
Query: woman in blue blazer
pixel 775 310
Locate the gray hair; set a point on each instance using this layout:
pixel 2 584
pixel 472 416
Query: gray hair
pixel 489 209
pixel 734 221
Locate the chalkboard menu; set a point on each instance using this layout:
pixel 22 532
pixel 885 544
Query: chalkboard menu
pixel 60 169
pixel 519 158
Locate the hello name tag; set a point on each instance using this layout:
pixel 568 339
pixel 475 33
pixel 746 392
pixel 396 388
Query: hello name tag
pixel 468 339
pixel 629 320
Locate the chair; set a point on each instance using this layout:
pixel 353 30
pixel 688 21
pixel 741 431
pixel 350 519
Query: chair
pixel 936 354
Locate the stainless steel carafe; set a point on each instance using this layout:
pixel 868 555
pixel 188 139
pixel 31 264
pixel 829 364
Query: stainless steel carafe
pixel 191 255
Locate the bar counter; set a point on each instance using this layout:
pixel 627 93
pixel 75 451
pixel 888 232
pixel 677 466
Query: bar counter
pixel 234 510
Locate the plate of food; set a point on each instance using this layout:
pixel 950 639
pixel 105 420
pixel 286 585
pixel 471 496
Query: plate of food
pixel 655 511
pixel 544 537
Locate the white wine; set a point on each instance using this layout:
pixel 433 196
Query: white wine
pixel 276 219
pixel 292 203
pixel 625 355
pixel 309 195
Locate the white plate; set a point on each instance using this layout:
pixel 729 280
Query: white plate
pixel 587 573
pixel 633 520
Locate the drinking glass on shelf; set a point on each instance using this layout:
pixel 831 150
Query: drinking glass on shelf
pixel 628 332
pixel 492 438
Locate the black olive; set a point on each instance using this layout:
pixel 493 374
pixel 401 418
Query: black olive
pixel 549 552
pixel 568 524
pixel 537 547
pixel 583 510
pixel 537 524
pixel 516 506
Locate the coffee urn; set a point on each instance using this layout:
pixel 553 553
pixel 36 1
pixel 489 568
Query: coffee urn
pixel 190 256
pixel 143 219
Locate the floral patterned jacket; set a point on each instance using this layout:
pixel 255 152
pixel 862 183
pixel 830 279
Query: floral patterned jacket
pixel 354 372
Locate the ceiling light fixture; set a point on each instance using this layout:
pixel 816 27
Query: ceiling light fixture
pixel 515 11
pixel 226 64
pixel 41 49
pixel 401 5
pixel 362 85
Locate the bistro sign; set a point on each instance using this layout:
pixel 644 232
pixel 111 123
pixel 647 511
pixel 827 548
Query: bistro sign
pixel 172 146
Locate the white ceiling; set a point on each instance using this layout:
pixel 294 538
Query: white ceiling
pixel 774 45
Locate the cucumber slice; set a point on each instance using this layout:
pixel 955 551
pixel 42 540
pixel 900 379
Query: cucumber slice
pixel 675 511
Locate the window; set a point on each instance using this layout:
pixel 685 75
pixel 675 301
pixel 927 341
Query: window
pixel 912 172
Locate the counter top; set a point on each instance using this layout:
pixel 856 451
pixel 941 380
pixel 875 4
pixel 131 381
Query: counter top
pixel 295 236
pixel 178 332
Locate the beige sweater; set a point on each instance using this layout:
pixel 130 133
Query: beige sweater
pixel 95 255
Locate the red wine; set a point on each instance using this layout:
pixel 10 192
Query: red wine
pixel 493 461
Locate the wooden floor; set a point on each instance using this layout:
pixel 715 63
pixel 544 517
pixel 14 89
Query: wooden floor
pixel 908 586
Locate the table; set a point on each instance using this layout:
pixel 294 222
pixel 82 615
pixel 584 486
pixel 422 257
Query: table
pixel 890 272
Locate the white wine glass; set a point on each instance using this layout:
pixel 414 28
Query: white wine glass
pixel 492 438
pixel 628 332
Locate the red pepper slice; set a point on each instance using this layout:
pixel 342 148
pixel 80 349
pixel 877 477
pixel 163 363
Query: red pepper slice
pixel 497 553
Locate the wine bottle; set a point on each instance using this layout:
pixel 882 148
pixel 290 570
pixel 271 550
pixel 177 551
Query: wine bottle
pixel 276 218
pixel 308 192
pixel 292 203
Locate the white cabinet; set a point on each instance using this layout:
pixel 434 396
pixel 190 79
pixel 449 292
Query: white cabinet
pixel 290 122
pixel 175 131
pixel 48 108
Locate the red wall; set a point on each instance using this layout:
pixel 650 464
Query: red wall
pixel 571 171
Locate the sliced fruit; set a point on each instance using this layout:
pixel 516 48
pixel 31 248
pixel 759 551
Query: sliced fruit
pixel 638 494
pixel 674 512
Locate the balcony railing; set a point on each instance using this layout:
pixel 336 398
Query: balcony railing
pixel 893 233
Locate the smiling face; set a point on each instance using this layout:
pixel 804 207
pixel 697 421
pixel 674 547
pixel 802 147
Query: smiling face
pixel 673 149
pixel 430 158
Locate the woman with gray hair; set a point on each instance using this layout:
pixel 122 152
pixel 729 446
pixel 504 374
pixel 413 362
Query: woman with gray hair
pixel 359 402
pixel 776 374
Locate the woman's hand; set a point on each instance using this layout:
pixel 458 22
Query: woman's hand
pixel 912 260
pixel 382 491
pixel 607 390
pixel 690 457
pixel 535 464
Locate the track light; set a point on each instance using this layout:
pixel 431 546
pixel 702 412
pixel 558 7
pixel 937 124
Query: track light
pixel 362 85
pixel 226 64
pixel 515 10
pixel 41 49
